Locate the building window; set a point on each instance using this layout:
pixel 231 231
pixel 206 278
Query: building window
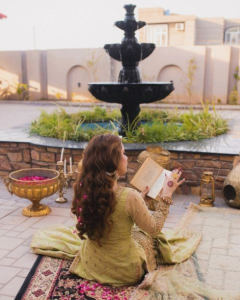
pixel 232 36
pixel 157 34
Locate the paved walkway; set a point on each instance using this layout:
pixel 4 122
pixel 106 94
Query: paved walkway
pixel 16 230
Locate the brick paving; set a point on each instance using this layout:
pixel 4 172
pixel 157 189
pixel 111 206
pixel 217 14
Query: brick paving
pixel 219 257
pixel 16 230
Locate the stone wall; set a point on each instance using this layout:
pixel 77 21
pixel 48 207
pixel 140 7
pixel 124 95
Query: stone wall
pixel 16 156
pixel 64 74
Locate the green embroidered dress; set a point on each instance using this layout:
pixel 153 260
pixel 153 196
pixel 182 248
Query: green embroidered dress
pixel 134 246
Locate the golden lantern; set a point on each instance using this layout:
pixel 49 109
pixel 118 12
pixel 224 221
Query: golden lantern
pixel 207 189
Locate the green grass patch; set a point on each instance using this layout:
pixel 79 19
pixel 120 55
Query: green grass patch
pixel 161 126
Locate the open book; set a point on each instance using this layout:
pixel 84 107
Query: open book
pixel 150 174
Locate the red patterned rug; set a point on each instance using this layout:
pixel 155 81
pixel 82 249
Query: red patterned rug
pixel 49 278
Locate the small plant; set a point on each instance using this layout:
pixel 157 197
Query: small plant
pixel 233 97
pixel 21 89
pixel 191 76
pixel 10 91
pixel 92 64
pixel 59 95
pixel 5 93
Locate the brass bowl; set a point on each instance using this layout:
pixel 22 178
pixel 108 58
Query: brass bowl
pixel 34 191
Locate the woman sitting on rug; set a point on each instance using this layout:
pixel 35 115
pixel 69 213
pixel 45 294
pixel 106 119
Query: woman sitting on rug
pixel 111 251
pixel 116 239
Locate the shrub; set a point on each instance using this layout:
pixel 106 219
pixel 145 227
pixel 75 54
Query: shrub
pixel 155 126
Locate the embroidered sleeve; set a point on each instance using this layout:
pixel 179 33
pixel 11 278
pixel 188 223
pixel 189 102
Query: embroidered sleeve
pixel 137 209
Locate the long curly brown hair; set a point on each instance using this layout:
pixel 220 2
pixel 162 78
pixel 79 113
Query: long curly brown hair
pixel 94 198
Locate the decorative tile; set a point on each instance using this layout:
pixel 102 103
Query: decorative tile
pixel 2 232
pixel 12 233
pixel 27 233
pixel 12 288
pixel 49 220
pixel 3 253
pixel 26 261
pixel 12 219
pixel 18 252
pixel 23 273
pixel 8 243
pixel 7 274
pixel 4 297
pixel 7 261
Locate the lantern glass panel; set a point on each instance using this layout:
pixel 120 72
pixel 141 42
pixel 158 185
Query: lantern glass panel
pixel 206 191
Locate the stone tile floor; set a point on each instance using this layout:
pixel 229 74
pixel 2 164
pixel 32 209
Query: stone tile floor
pixel 16 230
pixel 16 257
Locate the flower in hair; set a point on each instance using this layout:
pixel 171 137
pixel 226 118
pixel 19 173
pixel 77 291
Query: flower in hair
pixel 80 183
pixel 113 175
pixel 80 209
pixel 79 219
pixel 85 196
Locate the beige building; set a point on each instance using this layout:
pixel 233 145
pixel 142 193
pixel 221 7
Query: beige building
pixel 200 56
pixel 165 29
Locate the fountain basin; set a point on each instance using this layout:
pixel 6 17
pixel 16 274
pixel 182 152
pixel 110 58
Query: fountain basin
pixel 112 125
pixel 129 54
pixel 129 94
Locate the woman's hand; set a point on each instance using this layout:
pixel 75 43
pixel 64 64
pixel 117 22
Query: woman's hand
pixel 171 182
pixel 144 195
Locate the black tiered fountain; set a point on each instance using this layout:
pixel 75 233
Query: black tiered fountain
pixel 129 90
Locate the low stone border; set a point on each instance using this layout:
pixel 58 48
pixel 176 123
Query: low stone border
pixel 15 156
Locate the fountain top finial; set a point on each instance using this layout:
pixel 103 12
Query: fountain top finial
pixel 129 9
pixel 129 25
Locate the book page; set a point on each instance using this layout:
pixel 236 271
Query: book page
pixel 147 174
pixel 158 184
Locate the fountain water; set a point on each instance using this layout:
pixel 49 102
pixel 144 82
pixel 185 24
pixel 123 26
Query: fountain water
pixel 129 90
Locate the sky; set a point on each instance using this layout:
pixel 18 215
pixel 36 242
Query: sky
pixel 66 24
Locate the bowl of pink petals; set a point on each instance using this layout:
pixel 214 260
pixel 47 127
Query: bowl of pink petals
pixel 34 185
